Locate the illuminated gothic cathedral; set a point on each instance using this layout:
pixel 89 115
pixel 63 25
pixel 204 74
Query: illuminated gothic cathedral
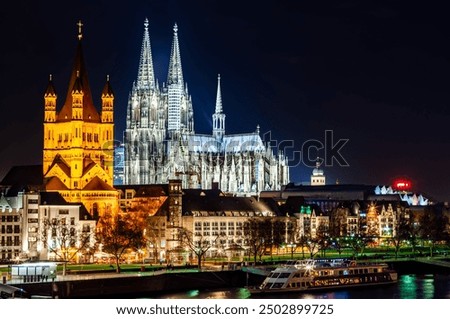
pixel 161 144
pixel 78 148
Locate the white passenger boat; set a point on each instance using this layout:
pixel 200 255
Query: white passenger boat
pixel 310 275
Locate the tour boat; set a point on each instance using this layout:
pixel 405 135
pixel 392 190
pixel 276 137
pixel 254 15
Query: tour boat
pixel 310 275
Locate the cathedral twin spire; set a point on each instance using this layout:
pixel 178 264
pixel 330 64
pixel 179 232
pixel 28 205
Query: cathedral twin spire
pixel 146 75
pixel 179 116
pixel 175 71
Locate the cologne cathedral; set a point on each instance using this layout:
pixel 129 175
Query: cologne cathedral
pixel 161 144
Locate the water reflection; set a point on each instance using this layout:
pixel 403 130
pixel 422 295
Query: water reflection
pixel 409 287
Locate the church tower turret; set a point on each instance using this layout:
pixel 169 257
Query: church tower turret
pixel 50 102
pixel 218 116
pixel 107 102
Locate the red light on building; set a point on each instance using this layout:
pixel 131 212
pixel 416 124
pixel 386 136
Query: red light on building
pixel 402 184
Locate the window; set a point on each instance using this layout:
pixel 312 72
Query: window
pixel 16 229
pixel 63 211
pixel 32 211
pixel 32 201
pixel 72 221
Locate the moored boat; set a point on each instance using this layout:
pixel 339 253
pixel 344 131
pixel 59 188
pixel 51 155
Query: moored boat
pixel 310 275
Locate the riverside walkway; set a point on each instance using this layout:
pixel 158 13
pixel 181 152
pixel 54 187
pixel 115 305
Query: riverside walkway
pixel 434 262
pixel 86 275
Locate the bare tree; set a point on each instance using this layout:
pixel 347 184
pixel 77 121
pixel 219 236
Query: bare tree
pixel 121 232
pixel 400 232
pixel 322 238
pixel 63 240
pixel 433 229
pixel 312 244
pixel 278 234
pixel 199 246
pixel 258 234
pixel 292 236
pixel 154 234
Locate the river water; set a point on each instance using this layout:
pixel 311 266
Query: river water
pixel 409 286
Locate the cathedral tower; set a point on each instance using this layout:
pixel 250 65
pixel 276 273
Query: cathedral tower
pixel 78 141
pixel 180 113
pixel 161 144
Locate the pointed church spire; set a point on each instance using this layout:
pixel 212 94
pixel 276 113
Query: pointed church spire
pixel 146 76
pixel 218 116
pixel 175 71
pixel 50 91
pixel 218 97
pixel 79 79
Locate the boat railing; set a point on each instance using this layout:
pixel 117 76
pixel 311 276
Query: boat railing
pixel 300 264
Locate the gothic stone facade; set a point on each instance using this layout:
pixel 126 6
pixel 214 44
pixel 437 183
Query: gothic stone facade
pixel 161 144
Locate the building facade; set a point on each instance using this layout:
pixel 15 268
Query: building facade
pixel 10 229
pixel 40 225
pixel 161 144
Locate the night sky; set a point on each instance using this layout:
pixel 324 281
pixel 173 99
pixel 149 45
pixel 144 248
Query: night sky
pixel 374 72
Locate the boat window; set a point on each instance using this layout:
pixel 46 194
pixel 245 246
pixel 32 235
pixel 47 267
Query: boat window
pixel 284 275
pixel 277 285
pixel 275 275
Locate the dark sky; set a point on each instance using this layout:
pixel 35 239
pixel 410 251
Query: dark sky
pixel 373 72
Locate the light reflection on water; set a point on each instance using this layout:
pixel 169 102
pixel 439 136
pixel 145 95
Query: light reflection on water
pixel 408 287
